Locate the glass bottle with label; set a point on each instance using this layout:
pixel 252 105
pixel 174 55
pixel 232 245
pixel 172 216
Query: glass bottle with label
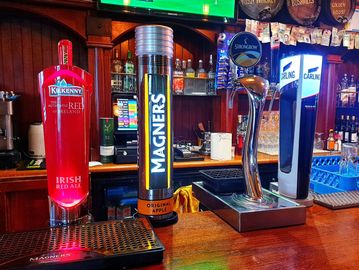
pixel 352 92
pixel 178 78
pixel 189 70
pixel 184 66
pixel 341 127
pixel 116 69
pixel 211 77
pixel 201 72
pixel 331 141
pixel 344 91
pixel 129 80
pixel 347 130
pixel 353 130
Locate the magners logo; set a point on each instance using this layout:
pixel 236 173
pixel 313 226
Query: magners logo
pixel 158 149
pixel 62 88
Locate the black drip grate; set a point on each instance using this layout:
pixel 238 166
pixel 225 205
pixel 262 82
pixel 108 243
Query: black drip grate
pixel 223 174
pixel 110 238
pixel 222 181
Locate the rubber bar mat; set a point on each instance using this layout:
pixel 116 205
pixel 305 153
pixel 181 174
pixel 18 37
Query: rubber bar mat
pixel 338 200
pixel 123 243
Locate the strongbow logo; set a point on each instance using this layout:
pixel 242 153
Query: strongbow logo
pixel 62 88
pixel 311 74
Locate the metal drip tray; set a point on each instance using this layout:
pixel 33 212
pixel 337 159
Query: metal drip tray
pixel 244 215
pixel 338 200
pixel 102 245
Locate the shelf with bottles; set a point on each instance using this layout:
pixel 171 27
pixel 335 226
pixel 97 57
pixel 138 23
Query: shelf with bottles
pixel 190 82
pixel 123 76
pixel 347 93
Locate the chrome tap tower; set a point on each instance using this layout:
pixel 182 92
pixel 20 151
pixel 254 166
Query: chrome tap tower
pixel 257 208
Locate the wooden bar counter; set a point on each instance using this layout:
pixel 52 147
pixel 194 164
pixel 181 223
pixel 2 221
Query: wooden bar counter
pixel 6 175
pixel 328 240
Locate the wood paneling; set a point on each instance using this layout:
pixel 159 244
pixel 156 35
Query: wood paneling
pixel 188 111
pixel 74 19
pixel 28 45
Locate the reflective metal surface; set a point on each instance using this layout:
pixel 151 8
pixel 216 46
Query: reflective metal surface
pixel 273 211
pixel 257 88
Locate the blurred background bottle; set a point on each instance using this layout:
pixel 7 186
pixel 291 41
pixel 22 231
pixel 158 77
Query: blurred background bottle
pixel 201 72
pixel 129 80
pixel 178 78
pixel 116 69
pixel 189 70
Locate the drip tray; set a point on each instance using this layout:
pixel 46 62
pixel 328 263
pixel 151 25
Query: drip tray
pixel 101 245
pixel 246 215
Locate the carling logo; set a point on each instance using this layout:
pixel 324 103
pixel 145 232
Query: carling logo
pixel 311 74
pixel 62 88
pixel 287 66
pixel 287 73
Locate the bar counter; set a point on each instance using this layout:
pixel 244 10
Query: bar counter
pixel 328 240
pixel 207 162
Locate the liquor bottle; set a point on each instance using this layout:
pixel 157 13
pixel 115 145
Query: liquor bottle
pixel 331 141
pixel 129 80
pixel 347 130
pixel 353 131
pixel 201 72
pixel 352 92
pixel 184 65
pixel 178 78
pixel 341 127
pixel 116 77
pixel 344 91
pixel 189 70
pixel 211 77
pixel 239 138
pixel 258 70
pixel 211 72
pixel 266 68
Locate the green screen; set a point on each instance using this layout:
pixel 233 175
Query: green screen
pixel 218 8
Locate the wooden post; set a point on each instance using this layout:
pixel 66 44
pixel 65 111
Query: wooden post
pixel 328 95
pixel 99 65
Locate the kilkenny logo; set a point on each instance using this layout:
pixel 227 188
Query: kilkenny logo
pixel 62 88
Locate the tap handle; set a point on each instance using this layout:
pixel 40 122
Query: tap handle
pixel 65 52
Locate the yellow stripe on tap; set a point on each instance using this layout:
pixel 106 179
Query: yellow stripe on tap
pixel 169 135
pixel 147 136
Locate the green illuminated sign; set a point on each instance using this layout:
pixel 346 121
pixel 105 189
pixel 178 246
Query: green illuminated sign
pixel 218 8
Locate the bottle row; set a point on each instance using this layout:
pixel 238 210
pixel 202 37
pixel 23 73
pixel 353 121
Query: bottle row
pixel 346 128
pixel 184 75
pixel 123 77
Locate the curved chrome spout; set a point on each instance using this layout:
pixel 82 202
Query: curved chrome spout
pixel 257 89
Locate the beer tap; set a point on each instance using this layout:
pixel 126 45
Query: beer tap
pixel 257 88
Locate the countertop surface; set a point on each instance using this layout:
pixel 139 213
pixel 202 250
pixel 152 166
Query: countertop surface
pixel 328 240
pixel 262 159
